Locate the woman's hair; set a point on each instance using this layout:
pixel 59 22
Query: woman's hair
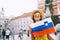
pixel 41 15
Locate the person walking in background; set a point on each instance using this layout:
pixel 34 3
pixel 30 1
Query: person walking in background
pixel 3 34
pixel 12 33
pixel 7 33
pixel 26 34
pixel 20 34
pixel 36 17
pixel 25 31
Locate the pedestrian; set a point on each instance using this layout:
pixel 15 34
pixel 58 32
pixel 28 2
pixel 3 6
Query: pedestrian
pixel 36 17
pixel 3 34
pixel 20 34
pixel 25 31
pixel 7 33
pixel 12 33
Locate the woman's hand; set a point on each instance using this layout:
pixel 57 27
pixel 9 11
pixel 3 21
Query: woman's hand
pixel 49 37
pixel 30 31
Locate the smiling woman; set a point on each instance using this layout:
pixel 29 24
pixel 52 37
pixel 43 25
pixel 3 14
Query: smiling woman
pixel 36 17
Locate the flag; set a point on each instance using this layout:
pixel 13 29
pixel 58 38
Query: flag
pixel 42 27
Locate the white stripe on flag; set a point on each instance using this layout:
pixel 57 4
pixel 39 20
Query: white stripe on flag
pixel 40 22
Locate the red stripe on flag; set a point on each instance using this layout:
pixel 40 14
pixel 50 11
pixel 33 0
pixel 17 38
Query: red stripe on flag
pixel 46 31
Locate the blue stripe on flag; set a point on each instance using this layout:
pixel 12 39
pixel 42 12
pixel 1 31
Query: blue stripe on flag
pixel 42 27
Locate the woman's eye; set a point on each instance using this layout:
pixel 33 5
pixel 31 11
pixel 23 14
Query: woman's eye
pixel 37 16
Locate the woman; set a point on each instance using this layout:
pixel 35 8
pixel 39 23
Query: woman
pixel 3 34
pixel 12 33
pixel 38 16
pixel 20 34
pixel 7 33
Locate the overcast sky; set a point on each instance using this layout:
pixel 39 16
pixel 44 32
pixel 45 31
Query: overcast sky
pixel 17 7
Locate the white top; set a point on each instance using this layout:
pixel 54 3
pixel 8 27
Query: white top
pixel 7 32
pixel 58 27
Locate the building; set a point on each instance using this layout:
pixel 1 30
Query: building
pixel 21 21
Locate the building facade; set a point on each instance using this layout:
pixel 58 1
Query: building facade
pixel 19 22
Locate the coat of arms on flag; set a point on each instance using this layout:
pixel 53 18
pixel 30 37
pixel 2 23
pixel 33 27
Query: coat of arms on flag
pixel 45 26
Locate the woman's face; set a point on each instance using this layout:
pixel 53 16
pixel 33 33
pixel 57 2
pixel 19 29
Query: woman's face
pixel 37 17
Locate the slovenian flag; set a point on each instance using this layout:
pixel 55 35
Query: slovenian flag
pixel 42 27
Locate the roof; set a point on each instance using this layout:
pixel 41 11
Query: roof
pixel 22 16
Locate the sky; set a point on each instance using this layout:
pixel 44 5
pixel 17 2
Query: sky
pixel 17 7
